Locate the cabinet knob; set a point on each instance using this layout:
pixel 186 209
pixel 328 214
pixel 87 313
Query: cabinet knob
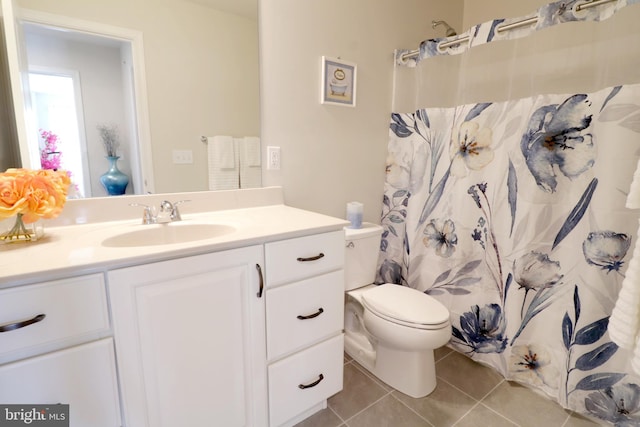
pixel 313 384
pixel 17 325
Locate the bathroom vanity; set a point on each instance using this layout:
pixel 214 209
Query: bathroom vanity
pixel 232 316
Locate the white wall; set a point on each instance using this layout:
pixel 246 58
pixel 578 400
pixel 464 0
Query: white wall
pixel 332 154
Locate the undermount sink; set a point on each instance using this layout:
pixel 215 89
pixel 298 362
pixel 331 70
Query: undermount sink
pixel 166 234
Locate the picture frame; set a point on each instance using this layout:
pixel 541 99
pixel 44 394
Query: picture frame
pixel 338 82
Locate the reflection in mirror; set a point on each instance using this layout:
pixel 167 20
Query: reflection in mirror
pixel 201 78
pixel 77 83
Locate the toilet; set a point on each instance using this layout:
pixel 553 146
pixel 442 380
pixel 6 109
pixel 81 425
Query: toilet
pixel 391 330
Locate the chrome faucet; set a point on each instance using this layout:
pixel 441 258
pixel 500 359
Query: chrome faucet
pixel 168 212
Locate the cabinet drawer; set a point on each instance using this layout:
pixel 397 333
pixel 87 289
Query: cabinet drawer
pixel 319 300
pixel 303 257
pixel 73 309
pixel 84 377
pixel 305 379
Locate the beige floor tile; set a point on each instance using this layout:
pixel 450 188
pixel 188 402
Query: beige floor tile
pixel 441 352
pixel 475 379
pixel 388 412
pixel 324 418
pixel 483 416
pixel 525 407
pixel 378 381
pixel 577 420
pixel 359 391
pixel 443 407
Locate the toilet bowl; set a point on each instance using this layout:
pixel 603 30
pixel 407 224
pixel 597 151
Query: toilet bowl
pixel 391 330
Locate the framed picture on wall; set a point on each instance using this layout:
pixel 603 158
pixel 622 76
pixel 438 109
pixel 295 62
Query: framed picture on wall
pixel 338 82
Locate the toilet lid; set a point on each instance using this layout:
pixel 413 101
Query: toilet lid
pixel 406 306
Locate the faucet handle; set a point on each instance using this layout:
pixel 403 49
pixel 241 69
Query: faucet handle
pixel 148 214
pixel 175 214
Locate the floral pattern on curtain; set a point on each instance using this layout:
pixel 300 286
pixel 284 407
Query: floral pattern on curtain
pixel 512 215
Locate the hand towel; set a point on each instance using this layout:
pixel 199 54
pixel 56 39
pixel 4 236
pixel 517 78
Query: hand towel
pixel 252 151
pixel 223 164
pixel 250 170
pixel 224 151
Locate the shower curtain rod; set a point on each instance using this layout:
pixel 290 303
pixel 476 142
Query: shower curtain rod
pixel 500 28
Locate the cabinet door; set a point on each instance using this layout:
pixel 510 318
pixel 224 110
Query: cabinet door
pixel 83 377
pixel 190 340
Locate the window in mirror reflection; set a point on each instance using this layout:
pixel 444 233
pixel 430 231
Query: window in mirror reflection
pixel 53 100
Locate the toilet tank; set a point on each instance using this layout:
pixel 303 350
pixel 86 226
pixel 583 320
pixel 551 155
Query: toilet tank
pixel 361 255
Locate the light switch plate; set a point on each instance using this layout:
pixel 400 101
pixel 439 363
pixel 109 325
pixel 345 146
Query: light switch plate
pixel 182 157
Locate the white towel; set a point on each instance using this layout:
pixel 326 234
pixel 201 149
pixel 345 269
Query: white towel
pixel 250 170
pixel 624 323
pixel 633 198
pixel 224 168
pixel 252 151
pixel 224 151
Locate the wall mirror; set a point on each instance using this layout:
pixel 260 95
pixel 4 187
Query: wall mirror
pixel 195 61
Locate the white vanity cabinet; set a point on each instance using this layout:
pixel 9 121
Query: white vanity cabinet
pixel 190 340
pixel 55 347
pixel 304 321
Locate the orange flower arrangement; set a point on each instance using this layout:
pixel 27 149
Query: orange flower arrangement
pixel 31 195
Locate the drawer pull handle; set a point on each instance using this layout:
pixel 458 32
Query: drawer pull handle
pixel 311 316
pixel 13 326
pixel 313 384
pixel 311 258
pixel 261 288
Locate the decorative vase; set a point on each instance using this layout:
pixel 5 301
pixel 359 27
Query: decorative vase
pixel 22 232
pixel 113 180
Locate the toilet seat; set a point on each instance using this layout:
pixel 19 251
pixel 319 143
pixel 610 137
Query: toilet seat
pixel 405 306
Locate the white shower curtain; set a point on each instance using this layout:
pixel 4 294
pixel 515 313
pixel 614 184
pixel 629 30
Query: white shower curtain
pixel 505 200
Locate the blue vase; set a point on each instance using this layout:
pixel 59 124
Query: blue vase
pixel 113 180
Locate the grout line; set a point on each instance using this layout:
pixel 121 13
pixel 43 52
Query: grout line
pixel 367 407
pixel 467 413
pixel 412 410
pixel 493 389
pixel 499 414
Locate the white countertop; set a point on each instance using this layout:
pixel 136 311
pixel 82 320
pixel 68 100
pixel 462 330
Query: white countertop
pixel 80 249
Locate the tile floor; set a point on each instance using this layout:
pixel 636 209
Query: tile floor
pixel 468 394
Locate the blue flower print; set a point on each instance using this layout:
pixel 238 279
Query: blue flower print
pixel 558 136
pixel 441 235
pixel 389 272
pixel 619 404
pixel 535 270
pixel 483 329
pixel 606 249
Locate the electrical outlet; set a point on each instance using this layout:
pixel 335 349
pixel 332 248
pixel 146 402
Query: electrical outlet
pixel 273 158
pixel 182 157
